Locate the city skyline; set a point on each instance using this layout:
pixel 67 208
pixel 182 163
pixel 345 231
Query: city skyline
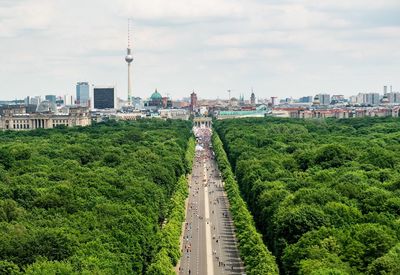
pixel 285 49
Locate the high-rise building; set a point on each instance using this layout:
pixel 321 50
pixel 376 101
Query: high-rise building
pixel 27 100
pixel 35 100
pixel 68 100
pixel 104 98
pixel 371 99
pixel 396 97
pixel 306 99
pixel 51 98
pixel 324 99
pixel 193 101
pixel 82 94
pixel 353 99
pixel 384 90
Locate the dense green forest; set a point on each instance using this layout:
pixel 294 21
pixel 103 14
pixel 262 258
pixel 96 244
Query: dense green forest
pixel 325 194
pixel 91 200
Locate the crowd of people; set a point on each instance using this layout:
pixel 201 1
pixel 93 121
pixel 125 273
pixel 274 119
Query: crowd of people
pixel 205 174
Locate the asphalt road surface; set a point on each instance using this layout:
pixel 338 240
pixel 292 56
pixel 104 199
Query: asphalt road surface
pixel 209 245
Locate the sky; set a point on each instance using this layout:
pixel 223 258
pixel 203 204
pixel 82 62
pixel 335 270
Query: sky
pixel 277 48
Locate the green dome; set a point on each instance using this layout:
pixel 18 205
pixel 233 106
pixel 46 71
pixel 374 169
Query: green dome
pixel 156 95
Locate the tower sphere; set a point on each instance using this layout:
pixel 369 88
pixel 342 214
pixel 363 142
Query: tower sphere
pixel 129 58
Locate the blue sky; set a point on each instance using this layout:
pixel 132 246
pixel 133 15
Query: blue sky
pixel 278 48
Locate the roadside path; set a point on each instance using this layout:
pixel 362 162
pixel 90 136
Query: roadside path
pixel 209 245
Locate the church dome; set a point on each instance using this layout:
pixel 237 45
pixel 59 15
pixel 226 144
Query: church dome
pixel 156 96
pixel 316 100
pixel 385 99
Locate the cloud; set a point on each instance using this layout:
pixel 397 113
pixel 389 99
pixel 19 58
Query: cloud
pixel 17 16
pixel 177 9
pixel 212 45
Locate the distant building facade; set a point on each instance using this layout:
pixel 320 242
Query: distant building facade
pixel 339 113
pixel 253 99
pixel 157 102
pixel 104 98
pixel 82 93
pixel 17 118
pixel 174 114
pixel 193 101
pixel 393 97
pixel 137 103
pixel 324 99
pixel 372 99
pixel 35 100
pixel 306 99
pixel 51 98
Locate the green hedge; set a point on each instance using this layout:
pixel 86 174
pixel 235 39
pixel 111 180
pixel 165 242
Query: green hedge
pixel 256 256
pixel 169 249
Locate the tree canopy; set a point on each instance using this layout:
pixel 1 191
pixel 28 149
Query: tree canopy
pixel 325 194
pixel 90 200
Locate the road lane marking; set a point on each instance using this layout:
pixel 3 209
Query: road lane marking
pixel 210 265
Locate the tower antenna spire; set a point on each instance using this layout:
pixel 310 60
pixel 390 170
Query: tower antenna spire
pixel 129 59
pixel 129 33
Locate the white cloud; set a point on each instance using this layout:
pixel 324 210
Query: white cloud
pixel 177 9
pixel 210 44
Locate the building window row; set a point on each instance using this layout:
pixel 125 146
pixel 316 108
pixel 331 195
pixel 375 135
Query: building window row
pixel 20 126
pixel 60 121
pixel 57 124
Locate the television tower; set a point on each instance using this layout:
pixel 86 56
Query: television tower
pixel 129 59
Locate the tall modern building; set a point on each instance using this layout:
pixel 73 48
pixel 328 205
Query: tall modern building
pixel 129 59
pixel 104 98
pixel 51 98
pixel 68 100
pixel 324 99
pixel 82 94
pixel 35 100
pixel 372 99
pixel 306 99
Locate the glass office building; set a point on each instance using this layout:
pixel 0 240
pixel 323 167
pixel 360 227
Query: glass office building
pixel 103 98
pixel 82 93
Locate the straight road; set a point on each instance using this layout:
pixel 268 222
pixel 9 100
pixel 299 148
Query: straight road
pixel 209 245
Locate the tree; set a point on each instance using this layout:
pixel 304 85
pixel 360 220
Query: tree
pixel 387 264
pixel 9 268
